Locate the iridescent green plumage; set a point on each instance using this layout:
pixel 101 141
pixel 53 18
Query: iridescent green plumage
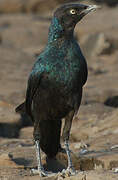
pixel 55 83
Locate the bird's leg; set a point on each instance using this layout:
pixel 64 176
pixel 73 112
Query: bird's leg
pixel 65 135
pixel 38 154
pixel 40 169
pixel 70 167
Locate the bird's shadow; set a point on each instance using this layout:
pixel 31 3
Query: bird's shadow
pixel 53 165
pixel 22 161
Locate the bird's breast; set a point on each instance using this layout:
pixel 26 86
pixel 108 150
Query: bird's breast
pixel 65 65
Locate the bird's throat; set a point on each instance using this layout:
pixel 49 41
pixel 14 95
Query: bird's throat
pixel 57 31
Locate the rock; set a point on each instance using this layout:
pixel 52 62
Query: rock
pixel 112 101
pixel 99 89
pixel 11 6
pixel 39 6
pixel 33 33
pixel 110 3
pixel 26 133
pixel 9 121
pixel 0 38
pixel 33 51
pixel 91 175
pixel 31 6
pixel 88 125
pixel 6 161
pixel 95 44
pixel 102 134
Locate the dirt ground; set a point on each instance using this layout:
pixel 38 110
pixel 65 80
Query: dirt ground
pixel 94 132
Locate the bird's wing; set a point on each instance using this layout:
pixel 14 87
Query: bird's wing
pixel 33 84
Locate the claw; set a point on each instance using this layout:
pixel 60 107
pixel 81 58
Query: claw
pixel 70 171
pixel 42 173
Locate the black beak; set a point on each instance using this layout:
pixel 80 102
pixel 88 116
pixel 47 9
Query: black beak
pixel 90 8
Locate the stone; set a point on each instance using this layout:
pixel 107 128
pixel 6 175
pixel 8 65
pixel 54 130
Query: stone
pixel 26 133
pixel 29 38
pixel 30 6
pixel 9 121
pixel 12 6
pixel 95 44
pixel 39 6
pixel 110 3
pixel 6 162
pixel 112 101
pixel 0 38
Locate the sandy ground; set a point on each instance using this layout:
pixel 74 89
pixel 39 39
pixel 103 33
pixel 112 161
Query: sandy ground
pixel 95 129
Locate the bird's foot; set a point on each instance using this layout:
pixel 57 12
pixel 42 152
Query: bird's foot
pixel 70 171
pixel 41 172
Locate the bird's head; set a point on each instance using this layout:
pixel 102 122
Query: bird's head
pixel 67 16
pixel 70 14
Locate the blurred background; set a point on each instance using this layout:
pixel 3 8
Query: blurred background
pixel 23 34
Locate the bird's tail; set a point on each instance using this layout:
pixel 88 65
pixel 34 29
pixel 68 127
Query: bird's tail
pixel 20 108
pixel 50 137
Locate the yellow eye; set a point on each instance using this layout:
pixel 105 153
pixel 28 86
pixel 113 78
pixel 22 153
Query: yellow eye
pixel 73 11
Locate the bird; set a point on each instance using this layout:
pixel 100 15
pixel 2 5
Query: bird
pixel 55 84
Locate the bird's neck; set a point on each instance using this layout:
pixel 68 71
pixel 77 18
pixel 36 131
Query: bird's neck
pixel 56 32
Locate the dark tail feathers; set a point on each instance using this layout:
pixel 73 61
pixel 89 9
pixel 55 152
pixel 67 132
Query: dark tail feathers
pixel 20 108
pixel 50 137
